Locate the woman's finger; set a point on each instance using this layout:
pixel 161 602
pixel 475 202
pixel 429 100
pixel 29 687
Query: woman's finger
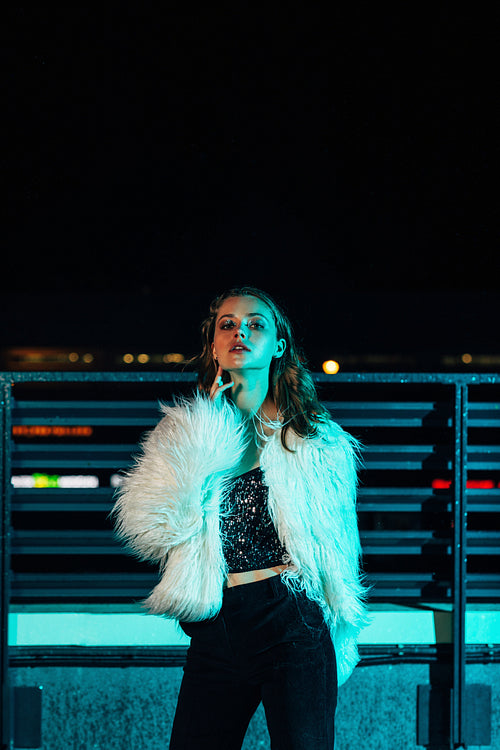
pixel 218 385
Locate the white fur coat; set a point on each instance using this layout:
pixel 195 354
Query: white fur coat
pixel 168 511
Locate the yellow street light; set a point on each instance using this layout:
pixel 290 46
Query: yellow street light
pixel 331 367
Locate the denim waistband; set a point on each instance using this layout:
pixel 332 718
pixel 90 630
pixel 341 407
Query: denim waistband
pixel 267 587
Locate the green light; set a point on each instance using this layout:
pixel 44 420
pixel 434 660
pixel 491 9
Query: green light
pixel 46 480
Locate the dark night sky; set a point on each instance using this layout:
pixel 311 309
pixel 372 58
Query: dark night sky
pixel 343 162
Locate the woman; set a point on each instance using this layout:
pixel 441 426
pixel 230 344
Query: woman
pixel 245 495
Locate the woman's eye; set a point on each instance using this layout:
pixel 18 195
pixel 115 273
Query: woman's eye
pixel 226 324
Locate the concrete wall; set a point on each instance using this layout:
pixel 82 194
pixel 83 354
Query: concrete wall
pixel 113 709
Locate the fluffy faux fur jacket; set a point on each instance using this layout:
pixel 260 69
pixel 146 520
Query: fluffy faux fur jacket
pixel 169 504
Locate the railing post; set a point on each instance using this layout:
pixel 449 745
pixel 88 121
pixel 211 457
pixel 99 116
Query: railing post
pixel 5 432
pixel 459 567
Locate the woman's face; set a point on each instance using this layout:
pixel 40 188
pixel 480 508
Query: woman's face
pixel 245 335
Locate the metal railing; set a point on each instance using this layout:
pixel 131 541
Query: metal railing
pixel 431 464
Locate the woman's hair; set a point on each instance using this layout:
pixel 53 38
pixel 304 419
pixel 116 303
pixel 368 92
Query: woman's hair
pixel 290 381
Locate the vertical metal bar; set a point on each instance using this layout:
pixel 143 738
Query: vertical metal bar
pixel 459 564
pixel 5 489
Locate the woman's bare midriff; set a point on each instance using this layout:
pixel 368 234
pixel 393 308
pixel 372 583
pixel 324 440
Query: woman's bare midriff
pixel 251 576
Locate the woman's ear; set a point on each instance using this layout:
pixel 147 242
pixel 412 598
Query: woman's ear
pixel 280 348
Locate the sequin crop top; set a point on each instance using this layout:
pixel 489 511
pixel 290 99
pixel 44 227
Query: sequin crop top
pixel 250 541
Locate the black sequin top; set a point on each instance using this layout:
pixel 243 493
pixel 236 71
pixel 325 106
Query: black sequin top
pixel 249 539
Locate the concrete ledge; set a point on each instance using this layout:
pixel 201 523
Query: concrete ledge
pixel 109 709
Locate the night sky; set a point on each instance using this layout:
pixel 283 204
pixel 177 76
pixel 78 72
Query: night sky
pixel 344 162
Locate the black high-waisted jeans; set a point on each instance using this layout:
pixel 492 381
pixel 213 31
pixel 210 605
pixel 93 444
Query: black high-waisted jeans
pixel 268 645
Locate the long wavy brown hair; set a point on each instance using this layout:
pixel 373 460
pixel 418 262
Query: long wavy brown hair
pixel 290 381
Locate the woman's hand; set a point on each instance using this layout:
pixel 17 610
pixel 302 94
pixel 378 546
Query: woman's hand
pixel 217 386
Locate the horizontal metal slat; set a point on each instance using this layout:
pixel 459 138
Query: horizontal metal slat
pixel 94 456
pixel 47 499
pixel 483 414
pixel 414 542
pixel 89 412
pixel 58 586
pixel 483 457
pixel 390 413
pixel 355 413
pixel 418 499
pixel 117 421
pixel 97 656
pixel 483 501
pixel 405 457
pixel 407 499
pixel 394 542
pixel 370 500
pixel 65 542
pixel 38 500
pixel 388 586
pixel 366 412
pixel 385 586
pixel 483 542
pixel 24 412
pixel 483 585
pixel 50 455
pixel 403 542
pixel 403 499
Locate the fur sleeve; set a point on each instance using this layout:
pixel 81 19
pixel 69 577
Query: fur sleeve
pixel 165 495
pixel 315 513
pixel 338 456
pixel 346 593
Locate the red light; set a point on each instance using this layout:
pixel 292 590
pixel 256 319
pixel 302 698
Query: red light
pixel 472 484
pixel 36 430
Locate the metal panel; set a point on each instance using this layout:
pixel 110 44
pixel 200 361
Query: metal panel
pixel 5 471
pixel 414 429
pixel 389 507
pixel 459 567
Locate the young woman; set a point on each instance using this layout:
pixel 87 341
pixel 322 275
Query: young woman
pixel 245 496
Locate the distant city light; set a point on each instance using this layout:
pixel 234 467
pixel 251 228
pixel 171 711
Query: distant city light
pixel 46 430
pixel 472 484
pixel 116 480
pixel 173 357
pixel 143 358
pixel 331 367
pixel 466 358
pixel 88 358
pixel 42 481
pixel 73 356
pixel 441 484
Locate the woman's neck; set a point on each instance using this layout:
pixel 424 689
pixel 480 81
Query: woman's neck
pixel 253 399
pixel 249 394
